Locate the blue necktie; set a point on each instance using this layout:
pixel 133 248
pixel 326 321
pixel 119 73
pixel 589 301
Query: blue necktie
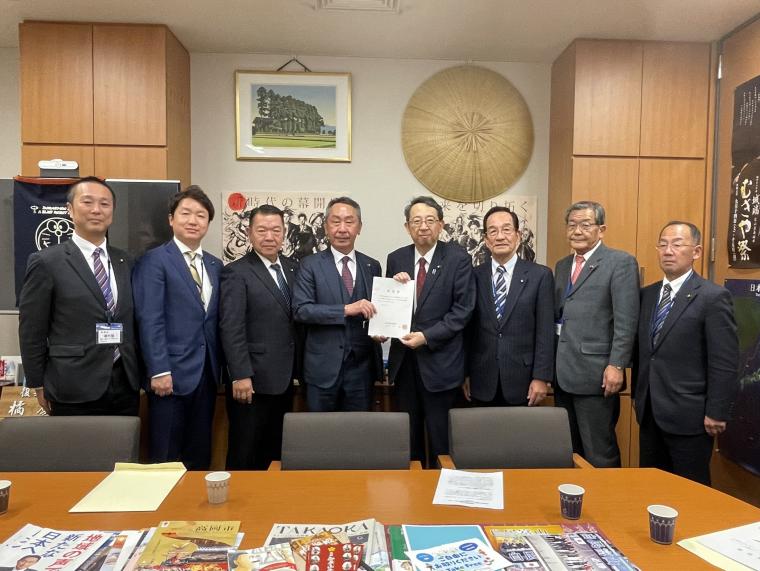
pixel 104 282
pixel 284 290
pixel 662 312
pixel 500 292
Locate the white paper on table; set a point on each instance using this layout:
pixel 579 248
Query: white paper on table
pixel 394 303
pixel 467 554
pixel 735 548
pixel 132 488
pixel 470 489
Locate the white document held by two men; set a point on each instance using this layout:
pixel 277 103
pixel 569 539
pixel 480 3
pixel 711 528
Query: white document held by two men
pixel 394 303
pixel 470 489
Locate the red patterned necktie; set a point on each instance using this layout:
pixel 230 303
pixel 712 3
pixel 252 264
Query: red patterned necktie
pixel 345 274
pixel 421 275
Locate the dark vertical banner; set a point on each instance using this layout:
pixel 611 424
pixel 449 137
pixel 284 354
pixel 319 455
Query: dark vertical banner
pixel 40 219
pixel 741 440
pixel 744 208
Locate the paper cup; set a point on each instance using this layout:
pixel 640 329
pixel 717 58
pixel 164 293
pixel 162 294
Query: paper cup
pixel 571 500
pixel 217 487
pixel 5 495
pixel 662 523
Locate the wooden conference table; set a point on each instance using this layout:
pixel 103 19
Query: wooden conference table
pixel 616 500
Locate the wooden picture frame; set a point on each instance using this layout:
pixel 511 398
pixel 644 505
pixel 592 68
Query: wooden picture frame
pixel 293 116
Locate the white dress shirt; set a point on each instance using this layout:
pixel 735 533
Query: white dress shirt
pixel 88 249
pixel 206 287
pixel 268 266
pixel 428 260
pixel 675 285
pixel 510 270
pixel 351 263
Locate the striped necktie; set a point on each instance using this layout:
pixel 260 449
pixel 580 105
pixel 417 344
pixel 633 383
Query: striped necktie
pixel 500 291
pixel 194 272
pixel 104 281
pixel 662 312
pixel 281 283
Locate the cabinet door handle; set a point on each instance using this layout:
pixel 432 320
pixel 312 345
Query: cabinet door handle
pixel 642 275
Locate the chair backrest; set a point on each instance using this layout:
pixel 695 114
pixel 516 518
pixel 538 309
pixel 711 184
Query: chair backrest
pixel 345 441
pixel 68 443
pixel 510 437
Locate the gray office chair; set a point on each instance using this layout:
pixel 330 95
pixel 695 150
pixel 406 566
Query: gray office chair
pixel 345 441
pixel 68 443
pixel 510 437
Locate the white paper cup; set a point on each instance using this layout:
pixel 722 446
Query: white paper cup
pixel 217 487
pixel 662 523
pixel 571 500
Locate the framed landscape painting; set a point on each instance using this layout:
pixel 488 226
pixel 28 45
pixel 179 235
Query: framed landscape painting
pixel 293 116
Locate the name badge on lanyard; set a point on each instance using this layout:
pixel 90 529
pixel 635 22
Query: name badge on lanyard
pixel 109 333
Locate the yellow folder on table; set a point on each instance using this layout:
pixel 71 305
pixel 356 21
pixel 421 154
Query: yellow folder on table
pixel 132 488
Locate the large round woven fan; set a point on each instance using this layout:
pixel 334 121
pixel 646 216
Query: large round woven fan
pixel 467 134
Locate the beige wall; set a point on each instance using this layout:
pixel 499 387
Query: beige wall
pixel 10 164
pixel 377 177
pixel 10 115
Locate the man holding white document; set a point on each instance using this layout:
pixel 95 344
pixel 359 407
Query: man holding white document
pixel 427 364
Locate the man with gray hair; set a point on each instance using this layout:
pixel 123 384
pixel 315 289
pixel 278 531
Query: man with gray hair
pixel 331 297
pixel 427 365
pixel 597 306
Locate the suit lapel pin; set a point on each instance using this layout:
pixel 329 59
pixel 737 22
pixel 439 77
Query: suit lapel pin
pixel 522 281
pixel 121 260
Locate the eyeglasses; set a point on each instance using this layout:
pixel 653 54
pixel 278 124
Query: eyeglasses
pixel 494 232
pixel 584 226
pixel 675 247
pixel 417 222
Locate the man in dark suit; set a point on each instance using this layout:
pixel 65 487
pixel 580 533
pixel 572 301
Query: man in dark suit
pixel 341 363
pixel 427 365
pixel 686 377
pixel 260 341
pixel 76 322
pixel 596 302
pixel 510 338
pixel 176 289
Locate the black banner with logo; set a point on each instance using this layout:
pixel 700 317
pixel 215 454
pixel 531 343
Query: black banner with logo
pixel 40 219
pixel 744 221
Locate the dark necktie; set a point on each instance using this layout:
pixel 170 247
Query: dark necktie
pixel 421 275
pixel 579 261
pixel 345 274
pixel 662 312
pixel 104 282
pixel 500 292
pixel 283 285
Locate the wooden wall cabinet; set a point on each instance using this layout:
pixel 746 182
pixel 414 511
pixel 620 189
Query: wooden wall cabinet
pixel 607 98
pixel 122 89
pixel 630 130
pixel 56 83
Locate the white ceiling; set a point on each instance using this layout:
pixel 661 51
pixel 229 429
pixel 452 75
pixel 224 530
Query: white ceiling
pixel 500 30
